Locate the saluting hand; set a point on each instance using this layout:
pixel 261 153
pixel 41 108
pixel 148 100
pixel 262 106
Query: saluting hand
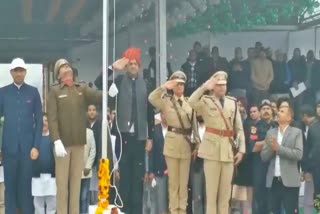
pixel 169 85
pixel 120 64
pixel 209 84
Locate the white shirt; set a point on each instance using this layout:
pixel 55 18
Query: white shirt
pixel 306 132
pixel 18 86
pixel 164 130
pixel 202 130
pixel 277 170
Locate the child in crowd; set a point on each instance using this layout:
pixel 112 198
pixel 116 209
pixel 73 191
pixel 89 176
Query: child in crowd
pixel 89 157
pixel 43 181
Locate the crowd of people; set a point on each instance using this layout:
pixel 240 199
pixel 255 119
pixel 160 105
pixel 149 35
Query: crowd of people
pixel 216 137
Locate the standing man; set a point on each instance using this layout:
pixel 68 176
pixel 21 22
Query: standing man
pixel 135 119
pixel 283 148
pixel 177 148
pixel 222 121
pixel 67 103
pixel 20 105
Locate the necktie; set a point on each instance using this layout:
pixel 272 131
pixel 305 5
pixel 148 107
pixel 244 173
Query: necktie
pixel 180 102
pixel 222 102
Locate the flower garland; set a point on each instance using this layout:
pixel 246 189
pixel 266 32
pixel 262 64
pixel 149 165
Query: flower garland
pixel 104 186
pixel 317 203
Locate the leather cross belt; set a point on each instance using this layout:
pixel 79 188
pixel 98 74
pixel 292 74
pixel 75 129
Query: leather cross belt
pixel 180 130
pixel 222 133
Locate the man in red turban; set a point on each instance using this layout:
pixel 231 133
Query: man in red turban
pixel 135 120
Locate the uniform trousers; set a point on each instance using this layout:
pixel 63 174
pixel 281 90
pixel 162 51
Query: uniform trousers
pixel 2 198
pixel 178 170
pixel 218 176
pixel 68 178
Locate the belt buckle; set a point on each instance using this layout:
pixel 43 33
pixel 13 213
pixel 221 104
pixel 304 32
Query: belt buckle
pixel 221 132
pixel 174 129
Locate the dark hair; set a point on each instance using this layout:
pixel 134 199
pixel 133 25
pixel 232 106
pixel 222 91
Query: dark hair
pixel 307 110
pixel 283 100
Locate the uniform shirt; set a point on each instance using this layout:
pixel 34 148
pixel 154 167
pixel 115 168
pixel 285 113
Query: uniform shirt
pixel 216 147
pixel 277 171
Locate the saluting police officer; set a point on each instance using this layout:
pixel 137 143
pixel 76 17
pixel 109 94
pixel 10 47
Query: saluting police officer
pixel 177 147
pixel 67 104
pixel 222 121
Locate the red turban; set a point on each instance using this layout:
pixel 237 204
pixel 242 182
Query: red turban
pixel 133 54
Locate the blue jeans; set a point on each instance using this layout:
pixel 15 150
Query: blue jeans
pixel 84 204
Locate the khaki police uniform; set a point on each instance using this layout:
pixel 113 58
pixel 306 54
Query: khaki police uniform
pixel 215 148
pixel 177 149
pixel 66 110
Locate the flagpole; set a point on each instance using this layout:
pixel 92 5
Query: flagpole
pixel 105 46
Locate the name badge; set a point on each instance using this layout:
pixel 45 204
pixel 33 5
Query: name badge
pixel 63 95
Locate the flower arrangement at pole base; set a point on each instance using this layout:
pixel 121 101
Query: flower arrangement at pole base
pixel 104 186
pixel 316 203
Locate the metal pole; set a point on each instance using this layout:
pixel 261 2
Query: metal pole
pixel 105 40
pixel 161 41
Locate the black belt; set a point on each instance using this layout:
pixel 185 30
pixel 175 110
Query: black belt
pixel 180 130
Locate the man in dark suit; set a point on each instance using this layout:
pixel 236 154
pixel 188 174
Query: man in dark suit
pixel 311 158
pixel 283 149
pixel 20 105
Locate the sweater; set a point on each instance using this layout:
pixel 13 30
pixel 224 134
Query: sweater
pixel 45 162
pixel 261 74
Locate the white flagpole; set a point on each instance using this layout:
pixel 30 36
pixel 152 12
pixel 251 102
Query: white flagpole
pixel 105 46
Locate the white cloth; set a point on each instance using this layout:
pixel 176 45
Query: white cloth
pixel 45 204
pixel 59 148
pixel 202 130
pixel 44 186
pixel 1 174
pixel 164 131
pixel 277 170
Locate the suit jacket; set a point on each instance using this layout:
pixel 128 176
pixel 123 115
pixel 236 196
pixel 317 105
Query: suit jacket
pixel 216 147
pixel 312 159
pixel 158 161
pixel 290 152
pixel 22 112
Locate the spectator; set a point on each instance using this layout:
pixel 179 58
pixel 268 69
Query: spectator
pixel 217 62
pixel 309 119
pixel 282 150
pixel 89 157
pixel 44 171
pixel 192 71
pixel 261 76
pixel 257 137
pixel 20 105
pixel 239 76
pixel 281 80
pixel 313 76
pixel 150 73
pixel 197 47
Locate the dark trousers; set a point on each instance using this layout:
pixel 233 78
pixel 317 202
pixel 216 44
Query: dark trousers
pixel 260 192
pixel 84 192
pixel 131 173
pixel 17 181
pixel 282 196
pixel 316 180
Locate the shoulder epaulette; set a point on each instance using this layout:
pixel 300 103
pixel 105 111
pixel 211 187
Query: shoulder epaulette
pixel 231 98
